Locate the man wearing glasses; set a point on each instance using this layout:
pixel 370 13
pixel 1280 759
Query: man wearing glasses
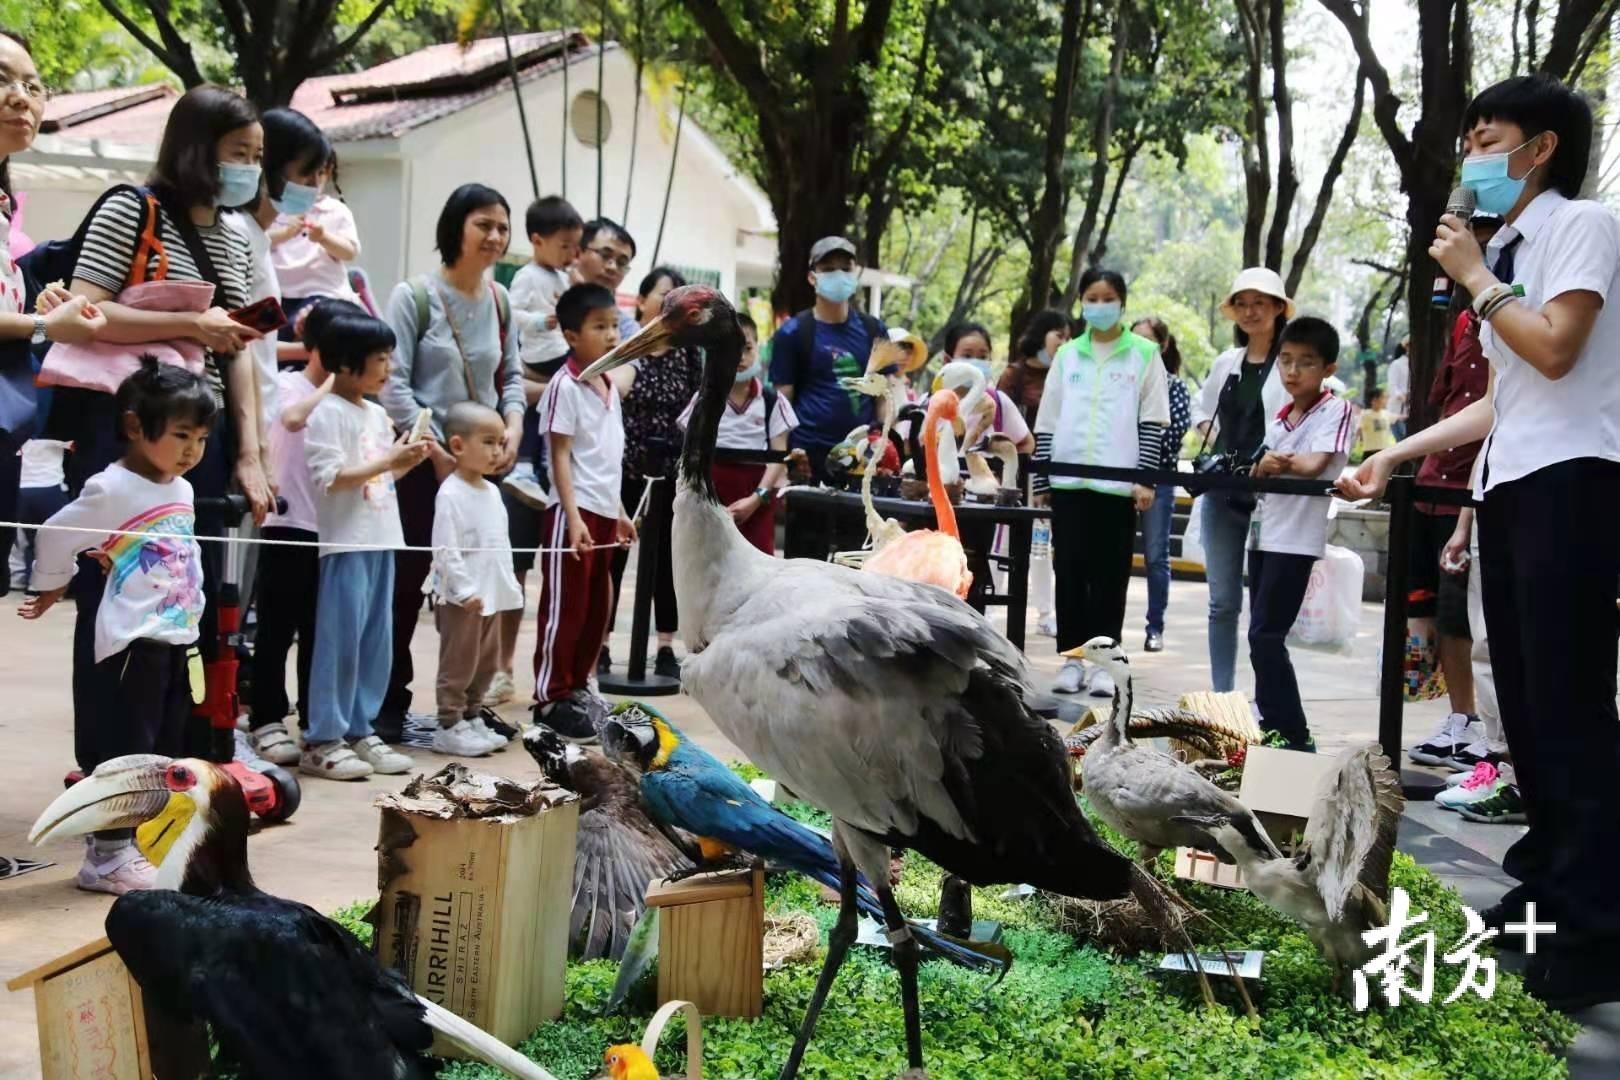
pixel 605 252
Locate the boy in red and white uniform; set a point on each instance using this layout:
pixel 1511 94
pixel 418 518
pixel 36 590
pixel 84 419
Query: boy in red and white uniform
pixel 1309 439
pixel 584 433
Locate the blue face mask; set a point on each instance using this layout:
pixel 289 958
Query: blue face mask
pixel 238 184
pixel 836 285
pixel 1487 175
pixel 981 366
pixel 296 199
pixel 749 373
pixel 1042 359
pixel 1104 316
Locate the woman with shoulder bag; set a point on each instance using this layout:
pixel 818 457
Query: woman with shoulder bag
pixel 454 342
pixel 59 315
pixel 1243 391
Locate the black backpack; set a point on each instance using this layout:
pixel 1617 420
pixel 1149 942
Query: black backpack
pixel 56 260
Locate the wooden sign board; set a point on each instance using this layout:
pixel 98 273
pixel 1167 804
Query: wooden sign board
pixel 1280 786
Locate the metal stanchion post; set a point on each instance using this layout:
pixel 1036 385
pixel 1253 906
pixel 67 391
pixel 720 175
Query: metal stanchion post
pixel 636 680
pixel 1392 674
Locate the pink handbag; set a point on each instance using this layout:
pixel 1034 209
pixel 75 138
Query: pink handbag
pixel 102 365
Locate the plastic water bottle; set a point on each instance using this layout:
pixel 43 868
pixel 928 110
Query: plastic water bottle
pixel 1040 545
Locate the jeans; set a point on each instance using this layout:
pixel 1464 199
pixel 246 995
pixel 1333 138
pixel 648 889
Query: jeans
pixel 1156 550
pixel 1277 584
pixel 354 624
pixel 1225 535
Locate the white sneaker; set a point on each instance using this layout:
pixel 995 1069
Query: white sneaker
pixel 382 758
pixel 333 761
pixel 275 744
pixel 1071 678
pixel 501 689
pixel 1046 625
pixel 462 740
pixel 1450 735
pixel 1101 684
pixel 124 871
pixel 525 490
pixel 495 739
pixel 1475 787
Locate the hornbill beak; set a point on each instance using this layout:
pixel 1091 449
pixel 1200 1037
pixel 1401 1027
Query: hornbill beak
pixel 120 794
pixel 654 337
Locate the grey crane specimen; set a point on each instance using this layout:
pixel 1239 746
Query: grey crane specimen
pixel 1146 794
pixel 891 705
pixel 1334 886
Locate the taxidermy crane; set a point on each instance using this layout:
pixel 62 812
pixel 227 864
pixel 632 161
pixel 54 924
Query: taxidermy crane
pixel 1334 886
pixel 621 849
pixel 931 556
pixel 1146 794
pixel 285 990
pixel 891 705
pixel 687 788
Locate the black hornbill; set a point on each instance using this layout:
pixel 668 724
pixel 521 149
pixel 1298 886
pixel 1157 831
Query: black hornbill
pixel 286 991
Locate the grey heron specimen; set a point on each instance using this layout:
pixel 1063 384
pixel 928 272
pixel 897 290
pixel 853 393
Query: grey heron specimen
pixel 891 705
pixel 1334 886
pixel 1145 793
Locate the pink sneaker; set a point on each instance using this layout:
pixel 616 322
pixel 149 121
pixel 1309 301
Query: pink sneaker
pixel 1475 786
pixel 123 872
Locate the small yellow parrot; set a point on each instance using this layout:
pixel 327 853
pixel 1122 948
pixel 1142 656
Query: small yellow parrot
pixel 627 1062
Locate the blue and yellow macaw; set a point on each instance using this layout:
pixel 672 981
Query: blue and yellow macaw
pixel 685 786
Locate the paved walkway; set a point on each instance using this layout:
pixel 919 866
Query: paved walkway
pixel 324 855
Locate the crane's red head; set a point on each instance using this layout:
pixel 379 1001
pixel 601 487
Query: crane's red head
pixel 692 315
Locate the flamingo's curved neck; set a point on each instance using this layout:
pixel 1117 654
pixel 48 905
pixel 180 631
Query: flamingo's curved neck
pixel 944 512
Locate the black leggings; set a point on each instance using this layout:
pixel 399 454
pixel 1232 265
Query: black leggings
pixel 662 502
pixel 289 579
pixel 1092 534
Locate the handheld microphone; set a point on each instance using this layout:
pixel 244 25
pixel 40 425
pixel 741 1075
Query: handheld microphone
pixel 1461 203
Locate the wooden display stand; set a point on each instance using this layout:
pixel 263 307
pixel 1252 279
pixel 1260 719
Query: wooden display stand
pixel 711 941
pixel 93 1023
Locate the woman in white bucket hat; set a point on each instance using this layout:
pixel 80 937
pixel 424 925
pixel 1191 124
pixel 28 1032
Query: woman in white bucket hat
pixel 1243 391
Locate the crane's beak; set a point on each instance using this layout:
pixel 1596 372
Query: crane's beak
pixel 656 336
pixel 121 793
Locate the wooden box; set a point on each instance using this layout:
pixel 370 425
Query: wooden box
pixel 474 913
pixel 711 939
pixel 93 1024
pixel 1280 786
pixel 1201 866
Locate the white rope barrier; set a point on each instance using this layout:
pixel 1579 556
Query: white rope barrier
pixel 259 540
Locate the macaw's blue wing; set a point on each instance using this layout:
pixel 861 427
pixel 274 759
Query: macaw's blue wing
pixel 695 792
pixel 708 799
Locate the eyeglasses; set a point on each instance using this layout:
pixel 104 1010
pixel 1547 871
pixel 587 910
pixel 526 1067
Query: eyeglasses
pixel 30 89
pixel 610 257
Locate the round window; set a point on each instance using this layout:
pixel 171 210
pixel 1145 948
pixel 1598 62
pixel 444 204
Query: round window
pixel 590 119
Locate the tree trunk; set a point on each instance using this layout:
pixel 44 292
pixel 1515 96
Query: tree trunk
pixel 1047 225
pixel 1324 194
pixel 1287 178
pixel 1256 140
pixel 1102 135
pixel 1100 248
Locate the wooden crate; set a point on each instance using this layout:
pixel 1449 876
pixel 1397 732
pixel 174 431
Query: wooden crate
pixel 93 1022
pixel 1201 866
pixel 474 913
pixel 711 942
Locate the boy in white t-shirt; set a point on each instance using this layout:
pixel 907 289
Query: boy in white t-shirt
pixel 554 228
pixel 354 460
pixel 1288 533
pixel 473 581
pixel 584 433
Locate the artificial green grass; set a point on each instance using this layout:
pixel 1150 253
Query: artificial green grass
pixel 1068 1010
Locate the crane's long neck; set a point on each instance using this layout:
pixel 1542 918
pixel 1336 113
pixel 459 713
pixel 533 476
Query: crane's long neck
pixel 944 512
pixel 703 431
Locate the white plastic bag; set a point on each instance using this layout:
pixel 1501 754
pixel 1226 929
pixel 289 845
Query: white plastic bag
pixel 1331 613
pixel 1192 546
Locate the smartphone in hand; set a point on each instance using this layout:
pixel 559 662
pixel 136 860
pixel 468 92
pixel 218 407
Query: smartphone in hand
pixel 265 316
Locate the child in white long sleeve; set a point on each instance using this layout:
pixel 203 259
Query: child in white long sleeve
pixel 473 581
pixel 147 672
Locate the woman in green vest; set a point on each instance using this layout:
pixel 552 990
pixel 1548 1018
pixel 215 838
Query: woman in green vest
pixel 1106 402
